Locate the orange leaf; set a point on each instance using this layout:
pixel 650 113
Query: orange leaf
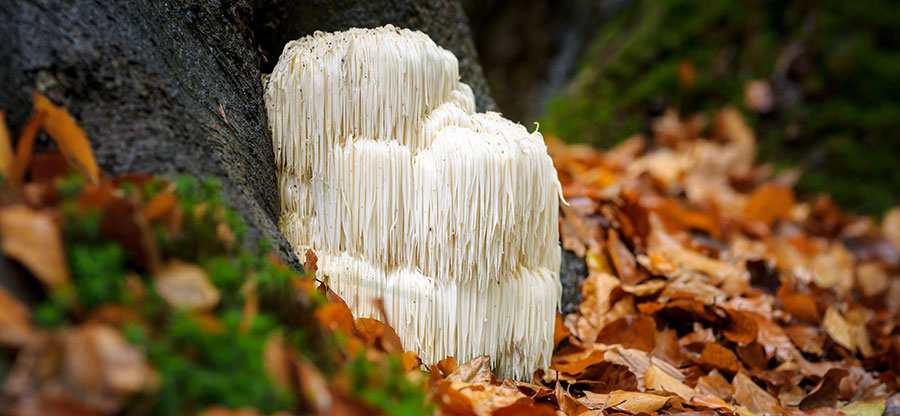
pixel 560 331
pixel 24 149
pixel 335 316
pixel 720 357
pixel 6 155
pixel 768 203
pixel 33 239
pixel 632 331
pixel 159 206
pixel 69 137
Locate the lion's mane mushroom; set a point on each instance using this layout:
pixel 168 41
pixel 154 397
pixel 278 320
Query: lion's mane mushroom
pixel 407 195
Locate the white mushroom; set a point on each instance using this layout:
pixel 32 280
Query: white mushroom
pixel 407 195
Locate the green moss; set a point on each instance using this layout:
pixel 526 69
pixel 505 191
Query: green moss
pixel 846 75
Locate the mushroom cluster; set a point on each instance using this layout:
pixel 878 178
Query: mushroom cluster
pixel 406 194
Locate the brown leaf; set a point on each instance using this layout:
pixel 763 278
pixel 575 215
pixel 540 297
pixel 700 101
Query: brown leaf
pixel 123 222
pixel 410 361
pixel 606 376
pixel 768 204
pixel 656 379
pixel 720 358
pixel 336 316
pixel 476 371
pixel 447 366
pixel 808 338
pixel 6 153
pixel 753 397
pixel 15 320
pixel 633 331
pixel 839 329
pixel 33 239
pixel 826 393
pixel 68 136
pixel 24 150
pixel 309 261
pixel 184 285
pixel 378 334
pixel 525 406
pixel 560 331
pixel 628 401
pixel 667 347
pixel 160 206
pixel 716 385
pixel 741 329
pixel 623 260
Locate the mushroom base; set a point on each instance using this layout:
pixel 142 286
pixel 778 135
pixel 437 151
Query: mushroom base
pixel 511 318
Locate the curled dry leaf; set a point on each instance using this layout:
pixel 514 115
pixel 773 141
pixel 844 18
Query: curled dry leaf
pixel 184 285
pixel 720 358
pixel 753 397
pixel 656 379
pixel 628 401
pixel 6 153
pixel 15 320
pixel 632 331
pixel 32 238
pixel 476 371
pixel 70 138
pixel 839 329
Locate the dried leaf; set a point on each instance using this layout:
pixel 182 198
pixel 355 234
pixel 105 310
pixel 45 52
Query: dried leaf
pixel 633 331
pixel 753 397
pixel 720 358
pixel 826 393
pixel 33 239
pixel 716 385
pixel 476 371
pixel 15 320
pixel 6 153
pixel 656 379
pixel 184 285
pixel 24 149
pixel 633 402
pixel 839 329
pixel 768 204
pixel 335 316
pixel 68 136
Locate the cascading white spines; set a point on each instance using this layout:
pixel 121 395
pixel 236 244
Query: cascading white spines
pixel 406 194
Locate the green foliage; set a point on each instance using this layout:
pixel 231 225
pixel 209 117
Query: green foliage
pixel 839 97
pixel 388 388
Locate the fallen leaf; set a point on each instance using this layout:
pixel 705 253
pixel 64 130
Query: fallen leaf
pixel 6 153
pixel 70 138
pixel 447 366
pixel 656 379
pixel 628 401
pixel 335 316
pixel 525 406
pixel 632 331
pixel 753 397
pixel 826 393
pixel 15 320
pixel 808 338
pixel 24 150
pixel 768 204
pixel 378 334
pixel 716 385
pixel 476 371
pixel 839 329
pixel 184 285
pixel 865 409
pixel 560 331
pixel 720 358
pixel 32 238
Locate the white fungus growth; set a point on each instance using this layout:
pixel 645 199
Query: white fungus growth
pixel 407 195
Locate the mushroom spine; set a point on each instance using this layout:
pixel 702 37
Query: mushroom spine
pixel 406 194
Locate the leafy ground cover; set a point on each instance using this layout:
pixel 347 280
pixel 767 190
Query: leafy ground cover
pixel 712 289
pixel 818 79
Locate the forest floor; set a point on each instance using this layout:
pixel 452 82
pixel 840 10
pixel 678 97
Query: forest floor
pixel 711 289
